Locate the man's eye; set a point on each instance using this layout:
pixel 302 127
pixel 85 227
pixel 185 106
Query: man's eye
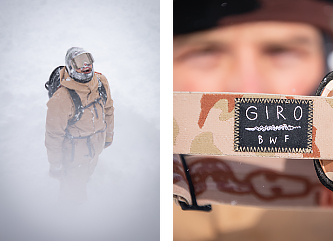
pixel 281 51
pixel 209 51
pixel 203 52
pixel 284 57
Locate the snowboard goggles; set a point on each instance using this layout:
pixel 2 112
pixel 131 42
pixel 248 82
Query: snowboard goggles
pixel 82 60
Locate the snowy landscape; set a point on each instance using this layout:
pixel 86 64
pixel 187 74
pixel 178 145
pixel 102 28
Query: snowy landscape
pixel 123 192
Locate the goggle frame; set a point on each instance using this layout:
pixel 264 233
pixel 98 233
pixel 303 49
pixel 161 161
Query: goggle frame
pixel 78 65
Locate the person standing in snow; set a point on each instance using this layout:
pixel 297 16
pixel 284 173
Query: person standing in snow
pixel 75 138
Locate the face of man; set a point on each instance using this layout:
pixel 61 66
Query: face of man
pixel 261 57
pixel 86 69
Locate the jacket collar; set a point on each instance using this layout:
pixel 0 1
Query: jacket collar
pixel 68 82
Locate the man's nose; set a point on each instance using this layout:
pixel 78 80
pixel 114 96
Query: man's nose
pixel 249 72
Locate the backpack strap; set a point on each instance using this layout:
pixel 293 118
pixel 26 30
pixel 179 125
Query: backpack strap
pixel 78 107
pixel 101 89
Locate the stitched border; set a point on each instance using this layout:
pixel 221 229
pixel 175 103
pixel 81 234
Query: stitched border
pixel 239 148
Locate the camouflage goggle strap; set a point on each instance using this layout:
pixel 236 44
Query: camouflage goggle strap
pixel 255 125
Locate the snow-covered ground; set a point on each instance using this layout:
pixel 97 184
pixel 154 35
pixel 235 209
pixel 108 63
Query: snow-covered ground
pixel 123 193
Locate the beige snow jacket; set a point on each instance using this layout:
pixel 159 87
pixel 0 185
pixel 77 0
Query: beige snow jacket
pixel 86 139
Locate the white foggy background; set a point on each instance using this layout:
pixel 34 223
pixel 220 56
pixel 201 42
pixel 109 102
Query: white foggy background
pixel 123 193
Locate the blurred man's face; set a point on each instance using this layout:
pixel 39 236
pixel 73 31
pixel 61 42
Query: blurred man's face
pixel 262 57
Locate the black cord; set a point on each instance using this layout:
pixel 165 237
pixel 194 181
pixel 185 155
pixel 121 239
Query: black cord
pixel 194 205
pixel 328 183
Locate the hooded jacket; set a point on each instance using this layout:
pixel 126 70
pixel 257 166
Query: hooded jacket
pixel 85 139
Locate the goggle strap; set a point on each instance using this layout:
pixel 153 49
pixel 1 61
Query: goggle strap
pixel 224 124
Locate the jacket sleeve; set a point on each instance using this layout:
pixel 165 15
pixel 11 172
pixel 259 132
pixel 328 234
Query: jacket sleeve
pixel 109 111
pixel 58 113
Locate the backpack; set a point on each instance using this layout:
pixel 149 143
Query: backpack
pixel 53 84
